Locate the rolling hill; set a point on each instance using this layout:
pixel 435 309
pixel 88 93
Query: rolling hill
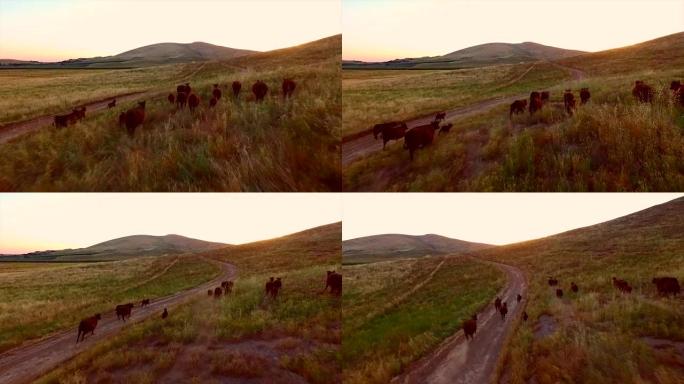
pixel 392 246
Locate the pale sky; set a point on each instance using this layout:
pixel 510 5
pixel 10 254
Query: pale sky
pixel 51 30
pixel 380 30
pixel 493 218
pixel 40 221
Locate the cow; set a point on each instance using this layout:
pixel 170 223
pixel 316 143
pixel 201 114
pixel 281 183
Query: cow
pixel 445 128
pixel 524 316
pixel 642 92
pixel 181 100
pixel 193 102
pixel 212 102
pixel 395 132
pixel 667 285
pixel 171 98
pixel 135 117
pixel 552 282
pixel 470 327
pixel 122 119
pixel 419 137
pixel 503 310
pixel 87 325
pixel 518 298
pixel 440 116
pixel 259 89
pixel 497 303
pixel 622 285
pixel 559 293
pixel 535 102
pixel 574 287
pixel 145 303
pixel 518 106
pixel 545 96
pixel 269 286
pixel 585 95
pixel 165 314
pixel 277 284
pixel 216 92
pixel 123 311
pixel 62 120
pixel 569 101
pixel 288 88
pixel 184 88
pixel 334 281
pixel 378 128
pixel 217 292
pixel 237 86
pixel 227 286
pixel 111 104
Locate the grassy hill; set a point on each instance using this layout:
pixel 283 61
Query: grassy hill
pixel 392 246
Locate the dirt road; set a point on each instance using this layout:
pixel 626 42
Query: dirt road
pixel 474 361
pixel 28 362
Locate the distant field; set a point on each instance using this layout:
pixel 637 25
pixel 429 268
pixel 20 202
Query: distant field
pixel 381 336
pixel 40 298
pixel 376 96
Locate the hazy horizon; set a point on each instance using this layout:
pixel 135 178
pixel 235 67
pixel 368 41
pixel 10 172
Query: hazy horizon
pixel 38 221
pixel 112 28
pixel 491 218
pixel 439 27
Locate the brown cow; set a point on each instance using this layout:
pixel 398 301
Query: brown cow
pixel 642 92
pixel 111 104
pixel 62 120
pixel 569 101
pixel 519 297
pixel 165 314
pixel 277 284
pixel 171 98
pixel 123 311
pixel 503 310
pixel 395 132
pixel 545 96
pixel 145 303
pixel 334 281
pixel 181 99
pixel 535 102
pixel 470 327
pixel 259 89
pixel 377 128
pixel 135 117
pixel 622 285
pixel 227 286
pixel 420 137
pixel 574 287
pixel 87 325
pixel 288 88
pixel 497 303
pixel 217 292
pixel 517 106
pixel 440 116
pixel 193 102
pixel 445 128
pixel 212 102
pixel 184 88
pixel 269 286
pixel 552 282
pixel 237 86
pixel 585 95
pixel 559 293
pixel 216 92
pixel 524 315
pixel 667 285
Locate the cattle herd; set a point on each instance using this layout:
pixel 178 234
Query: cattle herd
pixel 539 99
pixel 414 138
pixel 665 285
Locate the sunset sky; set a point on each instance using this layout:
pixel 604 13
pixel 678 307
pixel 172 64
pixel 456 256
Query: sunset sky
pixel 380 30
pixel 52 30
pixel 493 218
pixel 41 221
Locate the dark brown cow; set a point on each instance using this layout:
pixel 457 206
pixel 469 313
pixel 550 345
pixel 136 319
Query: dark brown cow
pixel 172 98
pixel 377 128
pixel 62 121
pixel 259 89
pixel 165 314
pixel 227 286
pixel 497 303
pixel 503 310
pixel 545 96
pixel 181 99
pixel 193 102
pixel 535 102
pixel 269 286
pixel 420 137
pixel 470 327
pixel 87 325
pixel 517 107
pixel 445 128
pixel 334 281
pixel 667 285
pixel 622 285
pixel 585 95
pixel 440 116
pixel 559 293
pixel 288 88
pixel 111 104
pixel 217 292
pixel 135 117
pixel 145 303
pixel 569 101
pixel 524 315
pixel 237 86
pixel 212 102
pixel 574 287
pixel 216 92
pixel 518 298
pixel 642 92
pixel 123 311
pixel 277 285
pixel 184 88
pixel 552 282
pixel 395 132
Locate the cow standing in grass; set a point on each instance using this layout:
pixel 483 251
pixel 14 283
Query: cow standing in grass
pixel 545 96
pixel 559 293
pixel 667 285
pixel 334 282
pixel 135 117
pixel 569 101
pixel 216 92
pixel 87 325
pixel 181 100
pixel 622 285
pixel 237 86
pixel 518 106
pixel 470 327
pixel 269 286
pixel 573 287
pixel 288 88
pixel 277 285
pixel 642 92
pixel 585 95
pixel 393 132
pixel 259 89
pixel 123 311
pixel 420 137
pixel 217 292
pixel 193 102
pixel 535 102
pixel 552 282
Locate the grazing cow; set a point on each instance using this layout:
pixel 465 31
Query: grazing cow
pixel 395 132
pixel 277 284
pixel 470 327
pixel 497 303
pixel 642 92
pixel 237 86
pixel 123 311
pixel 569 101
pixel 87 325
pixel 135 117
pixel 545 96
pixel 111 104
pixel 503 310
pixel 193 102
pixel 667 285
pixel 210 292
pixel 334 281
pixel 181 99
pixel 122 119
pixel 585 95
pixel 559 293
pixel 145 303
pixel 172 98
pixel 535 102
pixel 217 292
pixel 519 297
pixel 212 102
pixel 574 287
pixel 552 282
pixel 517 107
pixel 165 314
pixel 420 137
pixel 622 285
pixel 445 128
pixel 259 89
pixel 216 92
pixel 440 116
pixel 288 88
pixel 524 316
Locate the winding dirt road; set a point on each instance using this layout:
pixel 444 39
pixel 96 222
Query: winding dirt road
pixel 457 360
pixel 34 359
